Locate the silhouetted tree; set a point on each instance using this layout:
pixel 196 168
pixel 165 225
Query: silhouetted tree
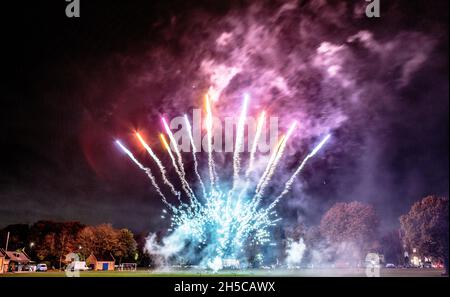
pixel 126 248
pixel 425 228
pixel 351 226
pixel 46 248
pixel 103 240
pixel 52 240
pixel 86 241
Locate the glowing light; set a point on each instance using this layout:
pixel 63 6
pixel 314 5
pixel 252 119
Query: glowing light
pixel 164 141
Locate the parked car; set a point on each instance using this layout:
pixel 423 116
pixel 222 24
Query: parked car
pixel 41 267
pixel 427 264
pixel 390 265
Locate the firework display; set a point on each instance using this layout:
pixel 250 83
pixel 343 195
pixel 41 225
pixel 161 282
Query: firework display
pixel 220 221
pixel 224 148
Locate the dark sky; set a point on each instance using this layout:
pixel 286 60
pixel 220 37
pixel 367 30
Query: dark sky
pixel 71 86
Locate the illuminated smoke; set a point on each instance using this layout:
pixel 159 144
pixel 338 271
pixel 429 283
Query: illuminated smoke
pixel 295 251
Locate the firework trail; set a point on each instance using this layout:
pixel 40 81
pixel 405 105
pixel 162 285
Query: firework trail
pixel 184 183
pixel 258 194
pixel 160 165
pixel 194 151
pixel 209 124
pixel 258 133
pixel 251 161
pixel 240 130
pixel 289 183
pixel 270 163
pixel 179 158
pixel 175 146
pixel 279 153
pixel 147 171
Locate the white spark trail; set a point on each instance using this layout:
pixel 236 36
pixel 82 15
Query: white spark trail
pixel 258 133
pixel 175 146
pixel 289 183
pixel 179 158
pixel 194 152
pixel 259 128
pixel 270 163
pixel 184 183
pixel 147 171
pixel 158 162
pixel 277 159
pixel 209 126
pixel 240 131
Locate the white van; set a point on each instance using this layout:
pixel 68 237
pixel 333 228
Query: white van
pixel 77 266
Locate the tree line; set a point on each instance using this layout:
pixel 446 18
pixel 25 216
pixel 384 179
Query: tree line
pixel 49 241
pixel 346 232
pixel 350 230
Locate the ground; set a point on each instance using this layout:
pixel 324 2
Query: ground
pixel 252 272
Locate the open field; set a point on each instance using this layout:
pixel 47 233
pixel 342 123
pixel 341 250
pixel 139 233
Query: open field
pixel 325 272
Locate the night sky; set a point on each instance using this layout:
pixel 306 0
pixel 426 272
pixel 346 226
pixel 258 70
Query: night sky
pixel 71 86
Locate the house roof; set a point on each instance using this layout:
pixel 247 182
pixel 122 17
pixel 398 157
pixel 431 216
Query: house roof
pixel 19 257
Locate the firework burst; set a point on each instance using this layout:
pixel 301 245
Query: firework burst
pixel 224 222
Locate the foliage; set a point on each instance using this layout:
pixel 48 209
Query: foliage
pixel 48 241
pixel 425 227
pixel 353 223
pixel 103 241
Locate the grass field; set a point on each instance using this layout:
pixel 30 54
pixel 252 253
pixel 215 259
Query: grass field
pixel 326 272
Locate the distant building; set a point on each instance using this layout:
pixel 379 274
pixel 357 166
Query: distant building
pixel 2 262
pixel 97 263
pixel 13 261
